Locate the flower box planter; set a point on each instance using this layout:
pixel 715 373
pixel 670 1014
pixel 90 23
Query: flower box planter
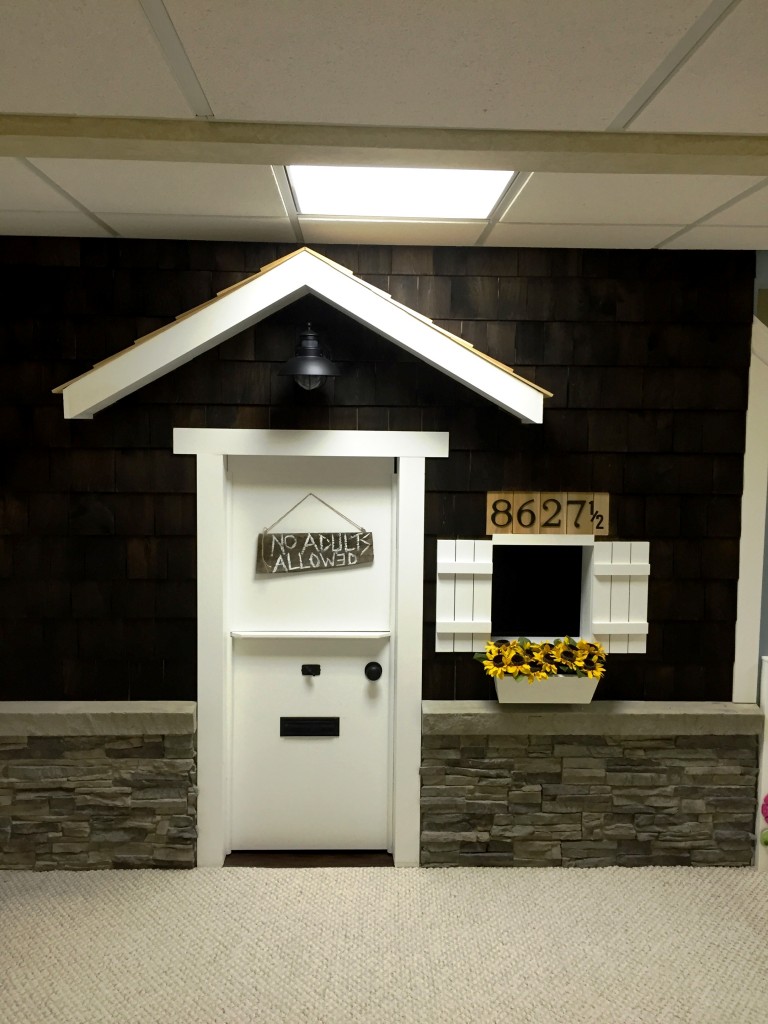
pixel 554 690
pixel 524 671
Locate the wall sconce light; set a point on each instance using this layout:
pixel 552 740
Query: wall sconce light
pixel 309 367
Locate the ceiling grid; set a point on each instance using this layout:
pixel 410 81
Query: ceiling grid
pixel 176 118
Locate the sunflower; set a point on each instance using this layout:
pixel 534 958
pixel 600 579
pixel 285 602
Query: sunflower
pixel 495 647
pixel 569 655
pixel 547 655
pixel 496 666
pixel 523 659
pixel 536 670
pixel 597 649
pixel 517 663
pixel 592 667
pixel 566 655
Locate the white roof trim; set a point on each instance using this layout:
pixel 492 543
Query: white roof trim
pixel 279 284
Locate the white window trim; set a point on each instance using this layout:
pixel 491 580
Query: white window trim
pixel 614 592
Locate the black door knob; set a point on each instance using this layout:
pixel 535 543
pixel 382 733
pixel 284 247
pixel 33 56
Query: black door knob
pixel 373 670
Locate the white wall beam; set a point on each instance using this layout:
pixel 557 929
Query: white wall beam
pixel 753 512
pixel 241 142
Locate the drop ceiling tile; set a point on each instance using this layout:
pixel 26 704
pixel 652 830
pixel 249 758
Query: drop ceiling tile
pixel 723 86
pixel 390 232
pixel 74 224
pixel 564 64
pixel 721 236
pixel 581 236
pixel 21 189
pixel 93 57
pixel 228 229
pixel 751 212
pixel 622 198
pixel 145 186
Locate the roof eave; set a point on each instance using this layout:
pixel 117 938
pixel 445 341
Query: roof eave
pixel 303 272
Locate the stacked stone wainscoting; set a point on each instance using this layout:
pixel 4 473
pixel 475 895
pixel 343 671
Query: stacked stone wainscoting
pixel 97 785
pixel 616 783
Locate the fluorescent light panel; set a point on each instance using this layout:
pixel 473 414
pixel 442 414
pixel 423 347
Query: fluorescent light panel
pixel 413 192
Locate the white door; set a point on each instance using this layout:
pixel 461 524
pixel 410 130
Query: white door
pixel 311 746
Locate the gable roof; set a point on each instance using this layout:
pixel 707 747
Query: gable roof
pixel 303 272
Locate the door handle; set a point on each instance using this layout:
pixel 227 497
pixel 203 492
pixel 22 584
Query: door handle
pixel 373 671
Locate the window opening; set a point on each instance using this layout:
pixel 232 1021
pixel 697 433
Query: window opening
pixel 536 591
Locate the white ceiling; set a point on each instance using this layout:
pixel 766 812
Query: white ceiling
pixel 185 112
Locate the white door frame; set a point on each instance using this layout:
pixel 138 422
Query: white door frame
pixel 214 642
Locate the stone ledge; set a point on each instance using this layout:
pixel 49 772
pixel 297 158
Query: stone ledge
pixel 97 718
pixel 602 718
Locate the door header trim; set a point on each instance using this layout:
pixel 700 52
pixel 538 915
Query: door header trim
pixel 332 443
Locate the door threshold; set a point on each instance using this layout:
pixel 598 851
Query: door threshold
pixel 309 859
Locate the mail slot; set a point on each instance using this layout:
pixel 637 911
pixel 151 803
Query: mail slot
pixel 309 727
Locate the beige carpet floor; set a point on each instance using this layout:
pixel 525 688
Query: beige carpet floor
pixel 353 945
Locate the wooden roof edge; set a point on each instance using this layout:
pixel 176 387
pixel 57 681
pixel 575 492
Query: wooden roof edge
pixel 336 266
pixel 62 387
pixel 233 288
pixel 465 344
pixel 514 373
pixel 425 319
pixel 195 309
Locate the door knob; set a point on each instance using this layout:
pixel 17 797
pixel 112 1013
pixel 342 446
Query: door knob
pixel 373 670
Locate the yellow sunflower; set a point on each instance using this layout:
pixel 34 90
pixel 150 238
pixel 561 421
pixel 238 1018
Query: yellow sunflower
pixel 517 663
pixel 569 655
pixel 593 669
pixel 536 670
pixel 496 659
pixel 597 649
pixel 547 655
pixel 594 661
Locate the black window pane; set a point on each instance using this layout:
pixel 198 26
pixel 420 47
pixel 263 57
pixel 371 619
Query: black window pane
pixel 536 590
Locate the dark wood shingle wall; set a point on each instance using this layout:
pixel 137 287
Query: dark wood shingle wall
pixel 646 352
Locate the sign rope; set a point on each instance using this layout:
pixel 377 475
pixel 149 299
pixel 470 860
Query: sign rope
pixel 311 494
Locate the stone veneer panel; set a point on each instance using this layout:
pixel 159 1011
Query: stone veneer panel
pixel 97 785
pixel 613 784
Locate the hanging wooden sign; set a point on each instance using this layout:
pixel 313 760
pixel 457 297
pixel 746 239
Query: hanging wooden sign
pixel 314 549
pixel 303 552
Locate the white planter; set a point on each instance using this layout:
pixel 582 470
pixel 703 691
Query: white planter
pixel 554 690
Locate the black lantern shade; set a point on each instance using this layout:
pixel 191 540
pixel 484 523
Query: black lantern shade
pixel 309 367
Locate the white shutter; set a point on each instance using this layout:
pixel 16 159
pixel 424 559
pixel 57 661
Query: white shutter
pixel 463 604
pixel 619 618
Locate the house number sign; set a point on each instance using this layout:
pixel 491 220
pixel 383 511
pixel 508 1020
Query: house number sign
pixel 580 512
pixel 313 549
